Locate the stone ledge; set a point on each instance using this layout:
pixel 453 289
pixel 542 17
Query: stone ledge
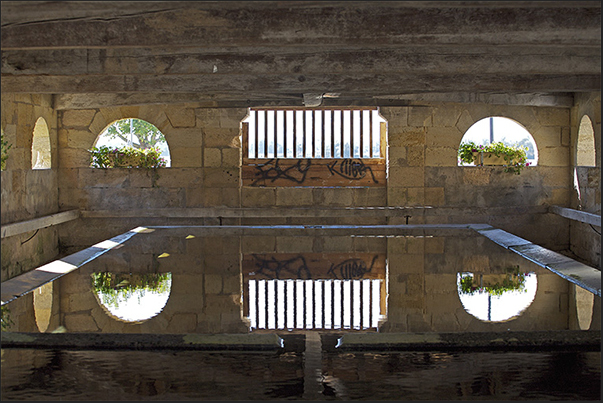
pixel 141 341
pixel 473 341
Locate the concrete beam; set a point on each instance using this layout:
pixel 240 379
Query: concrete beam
pixel 38 223
pixel 577 215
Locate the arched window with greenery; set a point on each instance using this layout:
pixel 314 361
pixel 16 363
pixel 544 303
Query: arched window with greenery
pixel 131 143
pixel 40 146
pixel 585 146
pixel 502 138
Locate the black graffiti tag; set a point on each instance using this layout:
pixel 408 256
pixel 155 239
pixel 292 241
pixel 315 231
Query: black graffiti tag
pixel 272 171
pixel 351 169
pixel 350 269
pixel 274 269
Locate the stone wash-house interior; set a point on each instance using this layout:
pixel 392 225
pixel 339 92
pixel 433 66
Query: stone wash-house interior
pixel 216 77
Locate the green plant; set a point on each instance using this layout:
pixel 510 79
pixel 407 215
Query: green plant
pixel 126 157
pixel 515 157
pixel 5 148
pixel 111 286
pixel 514 281
pixel 6 321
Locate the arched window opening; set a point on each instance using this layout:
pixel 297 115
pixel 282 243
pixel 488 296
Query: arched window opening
pixel 40 147
pixel 497 129
pixel 496 297
pixel 585 146
pixel 134 133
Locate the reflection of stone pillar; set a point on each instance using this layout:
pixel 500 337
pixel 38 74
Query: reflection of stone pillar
pixel 581 304
pixel 595 324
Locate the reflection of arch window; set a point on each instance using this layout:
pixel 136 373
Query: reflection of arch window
pixel 40 146
pixel 496 129
pixel 496 297
pixel 585 147
pixel 132 297
pixel 136 133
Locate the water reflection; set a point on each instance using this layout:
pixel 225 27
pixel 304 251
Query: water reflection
pixel 498 297
pixel 132 297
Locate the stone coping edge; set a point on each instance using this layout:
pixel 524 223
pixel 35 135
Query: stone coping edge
pixel 142 341
pixel 588 340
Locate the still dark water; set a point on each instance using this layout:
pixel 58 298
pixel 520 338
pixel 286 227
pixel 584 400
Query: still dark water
pixel 29 374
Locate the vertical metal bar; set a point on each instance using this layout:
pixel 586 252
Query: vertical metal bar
pixel 323 140
pixel 313 137
pixel 275 282
pixel 342 300
pixel 351 304
pixel 294 134
pixel 324 309
pixel 371 134
pixel 332 304
pixel 342 138
pixel 304 142
pixel 274 136
pixel 285 143
pixel 285 300
pixel 304 305
pixel 332 134
pixel 265 133
pixel 313 299
pixel 361 152
pixel 257 139
pixel 266 303
pixel 361 301
pixel 370 303
pixel 351 134
pixel 257 304
pixel 294 304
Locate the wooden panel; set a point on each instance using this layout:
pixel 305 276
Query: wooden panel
pixel 315 172
pixel 305 266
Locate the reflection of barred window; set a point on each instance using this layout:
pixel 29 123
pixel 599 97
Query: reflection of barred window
pixel 316 304
pixel 314 133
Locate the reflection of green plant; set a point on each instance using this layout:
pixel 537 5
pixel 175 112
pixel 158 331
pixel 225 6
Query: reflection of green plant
pixel 6 321
pixel 126 157
pixel 112 287
pixel 5 148
pixel 514 156
pixel 514 281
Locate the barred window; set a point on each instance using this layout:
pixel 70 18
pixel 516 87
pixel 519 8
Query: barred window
pixel 314 133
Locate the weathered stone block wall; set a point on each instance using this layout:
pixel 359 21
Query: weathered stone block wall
pixel 423 169
pixel 585 241
pixel 423 294
pixel 27 193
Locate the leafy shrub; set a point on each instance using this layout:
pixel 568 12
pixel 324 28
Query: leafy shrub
pixel 126 157
pixel 515 157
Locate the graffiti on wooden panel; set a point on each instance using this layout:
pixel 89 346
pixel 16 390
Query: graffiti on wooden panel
pixel 351 269
pixel 272 170
pixel 351 169
pixel 298 268
pixel 287 268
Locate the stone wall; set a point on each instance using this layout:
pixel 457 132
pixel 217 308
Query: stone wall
pixel 27 193
pixel 585 241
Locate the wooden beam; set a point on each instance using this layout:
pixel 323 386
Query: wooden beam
pixel 206 24
pixel 246 84
pixel 39 223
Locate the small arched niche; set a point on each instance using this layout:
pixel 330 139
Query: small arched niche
pixel 494 129
pixel 40 146
pixel 42 302
pixel 585 146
